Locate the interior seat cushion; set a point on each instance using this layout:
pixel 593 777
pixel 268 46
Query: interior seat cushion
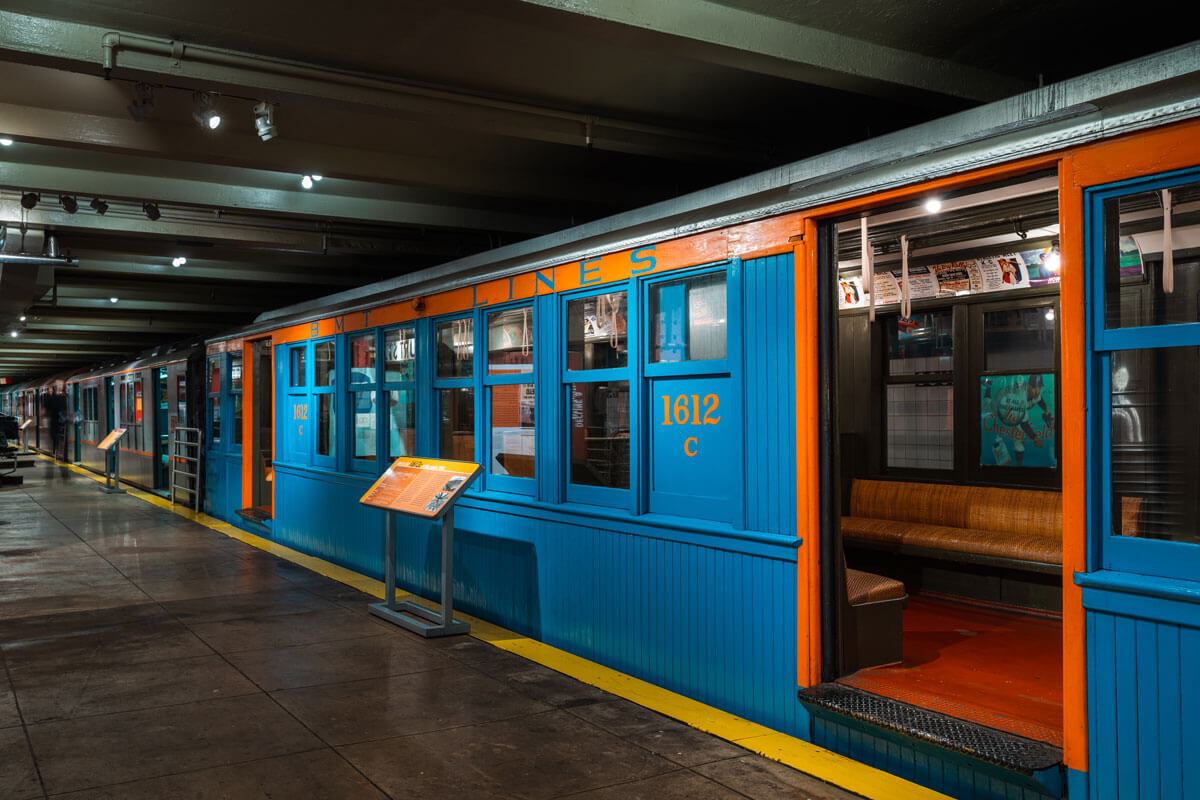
pixel 866 587
pixel 928 503
pixel 1021 546
pixel 1022 511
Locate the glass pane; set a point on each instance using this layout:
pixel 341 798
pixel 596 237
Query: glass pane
pixel 512 430
pixel 180 393
pixel 456 434
pixel 1019 338
pixel 510 341
pixel 920 426
pixel 924 343
pixel 599 434
pixel 215 415
pixel 455 348
pixel 400 354
pixel 237 419
pixel 326 426
pixel 1017 425
pixel 214 376
pixel 1156 443
pixel 299 360
pixel 137 401
pixel 596 329
pixel 1137 285
pixel 688 319
pixel 402 416
pixel 362 358
pixel 323 362
pixel 364 425
pixel 235 374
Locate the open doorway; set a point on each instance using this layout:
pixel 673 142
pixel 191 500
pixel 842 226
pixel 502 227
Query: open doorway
pixel 263 427
pixel 942 519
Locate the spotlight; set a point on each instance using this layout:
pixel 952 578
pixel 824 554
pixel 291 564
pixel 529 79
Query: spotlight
pixel 152 212
pixel 69 203
pixel 100 206
pixel 143 102
pixel 22 318
pixel 29 200
pixel 204 112
pixel 13 334
pixel 178 261
pixel 307 182
pixel 5 141
pixel 933 205
pixel 113 299
pixel 264 121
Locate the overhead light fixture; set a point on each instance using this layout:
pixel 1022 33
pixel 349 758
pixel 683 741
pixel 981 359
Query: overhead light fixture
pixel 113 299
pixel 143 102
pixel 5 141
pixel 1054 259
pixel 264 121
pixel 69 203
pixel 204 113
pixel 99 206
pixel 306 181
pixel 178 261
pixel 933 205
pixel 1049 315
pixel 22 318
pixel 29 201
pixel 12 334
pixel 152 212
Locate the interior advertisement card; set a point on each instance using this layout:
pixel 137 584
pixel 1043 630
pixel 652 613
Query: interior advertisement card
pixel 423 487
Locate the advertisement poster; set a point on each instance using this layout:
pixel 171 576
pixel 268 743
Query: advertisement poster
pixel 1017 427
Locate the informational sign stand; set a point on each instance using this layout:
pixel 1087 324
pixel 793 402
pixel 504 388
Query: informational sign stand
pixel 112 461
pixel 427 489
pixel 25 426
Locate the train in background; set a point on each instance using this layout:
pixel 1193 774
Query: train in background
pixel 792 445
pixel 148 396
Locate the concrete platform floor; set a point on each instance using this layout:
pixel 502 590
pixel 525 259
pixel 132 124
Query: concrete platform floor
pixel 145 656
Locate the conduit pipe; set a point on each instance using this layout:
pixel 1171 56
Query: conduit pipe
pixel 113 41
pixel 40 261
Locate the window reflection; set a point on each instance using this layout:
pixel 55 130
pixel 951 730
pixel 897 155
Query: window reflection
pixel 513 430
pixel 456 439
pixel 688 319
pixel 456 348
pixel 402 423
pixel 510 341
pixel 599 433
pixel 596 332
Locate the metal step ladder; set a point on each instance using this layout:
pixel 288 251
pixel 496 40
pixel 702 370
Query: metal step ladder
pixel 184 455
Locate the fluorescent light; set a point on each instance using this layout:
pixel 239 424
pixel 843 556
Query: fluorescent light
pixel 933 205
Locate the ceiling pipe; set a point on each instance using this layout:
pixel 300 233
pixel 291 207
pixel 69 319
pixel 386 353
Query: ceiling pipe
pixel 114 41
pixel 45 261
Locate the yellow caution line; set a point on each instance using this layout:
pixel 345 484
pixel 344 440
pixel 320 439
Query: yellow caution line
pixel 826 765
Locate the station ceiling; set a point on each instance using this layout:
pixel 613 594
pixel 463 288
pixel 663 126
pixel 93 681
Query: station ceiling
pixel 439 129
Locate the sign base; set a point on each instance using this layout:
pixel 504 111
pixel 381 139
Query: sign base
pixel 419 619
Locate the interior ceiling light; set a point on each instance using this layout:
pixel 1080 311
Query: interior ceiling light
pixel 143 102
pixel 1054 259
pixel 5 141
pixel 100 206
pixel 264 121
pixel 29 200
pixel 152 212
pixel 933 205
pixel 178 261
pixel 204 113
pixel 69 203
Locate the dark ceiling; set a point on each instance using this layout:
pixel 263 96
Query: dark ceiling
pixel 440 129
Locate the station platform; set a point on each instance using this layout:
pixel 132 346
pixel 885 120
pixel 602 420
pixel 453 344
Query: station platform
pixel 145 655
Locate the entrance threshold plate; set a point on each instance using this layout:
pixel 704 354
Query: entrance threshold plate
pixel 259 515
pixel 419 619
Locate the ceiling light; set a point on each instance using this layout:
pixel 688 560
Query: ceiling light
pixel 933 205
pixel 13 334
pixel 113 299
pixel 1050 315
pixel 100 206
pixel 264 121
pixel 143 102
pixel 316 177
pixel 5 141
pixel 306 181
pixel 29 200
pixel 204 113
pixel 152 212
pixel 1054 259
pixel 178 261
pixel 22 318
pixel 69 203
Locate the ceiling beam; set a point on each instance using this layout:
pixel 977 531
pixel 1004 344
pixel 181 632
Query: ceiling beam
pixel 219 271
pixel 759 43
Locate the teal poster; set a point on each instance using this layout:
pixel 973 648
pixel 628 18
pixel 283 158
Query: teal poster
pixel 1018 421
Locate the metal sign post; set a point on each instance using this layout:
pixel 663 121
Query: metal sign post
pixel 426 489
pixel 112 462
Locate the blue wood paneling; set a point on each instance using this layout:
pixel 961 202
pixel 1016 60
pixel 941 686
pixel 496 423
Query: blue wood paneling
pixel 1142 697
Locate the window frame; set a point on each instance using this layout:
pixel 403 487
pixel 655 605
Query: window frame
pixel 486 385
pixel 329 460
pixel 386 387
pixel 351 389
pixel 232 444
pixel 1109 551
pixel 473 383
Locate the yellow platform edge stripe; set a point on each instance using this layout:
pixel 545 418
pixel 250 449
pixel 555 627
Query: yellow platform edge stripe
pixel 846 773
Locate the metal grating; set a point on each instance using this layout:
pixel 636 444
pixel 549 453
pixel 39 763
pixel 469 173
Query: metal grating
pixel 978 741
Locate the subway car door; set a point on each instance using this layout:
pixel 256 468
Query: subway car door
pixel 1141 589
pixel 162 428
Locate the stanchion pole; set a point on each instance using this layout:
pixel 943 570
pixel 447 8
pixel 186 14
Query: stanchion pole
pixel 448 568
pixel 389 569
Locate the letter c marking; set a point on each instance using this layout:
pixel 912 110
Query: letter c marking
pixel 688 443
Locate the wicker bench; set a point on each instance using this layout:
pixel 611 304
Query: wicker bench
pixel 1015 528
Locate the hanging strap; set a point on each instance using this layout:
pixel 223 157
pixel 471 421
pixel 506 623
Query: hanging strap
pixel 905 289
pixel 868 269
pixel 1168 246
